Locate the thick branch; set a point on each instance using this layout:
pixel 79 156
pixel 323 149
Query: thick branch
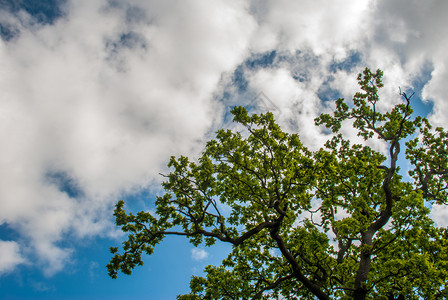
pixel 385 215
pixel 224 238
pixel 312 287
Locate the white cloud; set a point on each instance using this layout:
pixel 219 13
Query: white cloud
pixel 103 97
pixel 296 101
pixel 10 256
pixel 436 91
pixel 293 25
pixel 439 213
pixel 199 254
pixel 414 33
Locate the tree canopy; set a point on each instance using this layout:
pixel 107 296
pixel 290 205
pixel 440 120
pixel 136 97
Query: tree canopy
pixel 338 223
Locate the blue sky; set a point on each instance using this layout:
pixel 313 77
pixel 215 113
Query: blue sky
pixel 96 95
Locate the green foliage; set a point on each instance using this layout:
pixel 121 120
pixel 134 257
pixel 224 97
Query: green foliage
pixel 339 222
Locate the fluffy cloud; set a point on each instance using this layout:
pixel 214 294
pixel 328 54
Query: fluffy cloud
pixel 10 256
pixel 413 34
pixel 295 100
pixel 439 213
pixel 293 25
pixel 94 103
pixel 198 254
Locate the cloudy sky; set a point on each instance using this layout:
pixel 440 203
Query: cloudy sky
pixel 96 95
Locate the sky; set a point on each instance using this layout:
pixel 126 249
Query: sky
pixel 96 95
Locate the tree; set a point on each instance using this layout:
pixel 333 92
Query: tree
pixel 337 223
